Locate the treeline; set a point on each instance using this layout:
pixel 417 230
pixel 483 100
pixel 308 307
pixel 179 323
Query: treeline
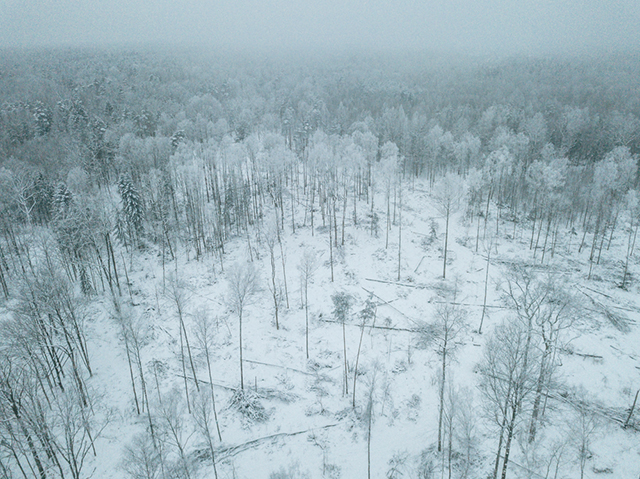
pixel 65 109
pixel 198 148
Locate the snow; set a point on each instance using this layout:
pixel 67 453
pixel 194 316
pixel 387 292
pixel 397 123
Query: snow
pixel 311 411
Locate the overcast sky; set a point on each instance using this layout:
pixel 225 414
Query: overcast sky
pixel 471 26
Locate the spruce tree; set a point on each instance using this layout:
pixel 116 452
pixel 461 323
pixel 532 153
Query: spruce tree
pixel 132 208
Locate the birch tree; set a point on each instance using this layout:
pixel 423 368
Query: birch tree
pixel 447 193
pixel 507 372
pixel 450 321
pixel 341 309
pixel 307 268
pixel 242 286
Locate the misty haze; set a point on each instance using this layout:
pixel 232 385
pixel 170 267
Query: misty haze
pixel 303 240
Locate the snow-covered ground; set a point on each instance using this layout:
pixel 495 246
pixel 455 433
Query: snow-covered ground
pixel 311 422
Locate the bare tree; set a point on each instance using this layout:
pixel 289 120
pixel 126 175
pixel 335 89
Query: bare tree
pixel 368 313
pixel 204 332
pixel 271 237
pixel 120 318
pixel 583 427
pixel 464 429
pixel 283 257
pixel 450 321
pixel 399 226
pixel 447 194
pixel 171 415
pixel 632 204
pixel 141 458
pixel 202 407
pixel 178 294
pixel 243 285
pixel 76 429
pixel 369 415
pixel 50 301
pixel 307 268
pixel 18 440
pixel 486 283
pixel 135 334
pixel 341 307
pixel 389 167
pixel 507 382
pixel 546 309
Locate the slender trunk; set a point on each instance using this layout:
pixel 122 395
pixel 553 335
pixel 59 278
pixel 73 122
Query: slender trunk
pixel 584 235
pixel 593 249
pixel 126 275
pixel 446 244
pixel 629 252
pixel 633 406
pixel 502 428
pixel 486 213
pixel 386 244
pixel 186 340
pixel 604 233
pixel 344 213
pixel 546 238
pixel 240 336
pixel 113 260
pixel 331 247
pixel 273 284
pixel 335 223
pixel 450 448
pixel 369 439
pixel 346 369
pixel 211 448
pixel 312 199
pixel 539 387
pixel 293 220
pixel 486 286
pixel 441 406
pixel 355 205
pixel 355 373
pixel 478 234
pixel 535 248
pixel 507 447
pixel 533 228
pixel 133 383
pixel 184 372
pixel 41 471
pixel 372 212
pixel 555 239
pixel 399 233
pixel 500 439
pixel 213 397
pixel 306 315
pixel 613 227
pixel 284 269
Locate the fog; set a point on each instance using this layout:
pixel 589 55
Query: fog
pixel 466 26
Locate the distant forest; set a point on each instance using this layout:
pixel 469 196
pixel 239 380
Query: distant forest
pixel 535 137
pixel 552 138
pixel 99 110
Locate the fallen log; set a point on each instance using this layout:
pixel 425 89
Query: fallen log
pixel 233 450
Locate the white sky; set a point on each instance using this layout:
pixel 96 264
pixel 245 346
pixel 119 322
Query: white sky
pixel 471 26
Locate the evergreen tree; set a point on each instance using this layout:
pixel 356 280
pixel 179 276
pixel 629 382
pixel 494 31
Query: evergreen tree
pixel 132 209
pixel 62 200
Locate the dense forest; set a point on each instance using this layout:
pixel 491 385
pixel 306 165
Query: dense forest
pixel 112 159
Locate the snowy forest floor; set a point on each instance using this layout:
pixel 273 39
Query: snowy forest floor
pixel 312 427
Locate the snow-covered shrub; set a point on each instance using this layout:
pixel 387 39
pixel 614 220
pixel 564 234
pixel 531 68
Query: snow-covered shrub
pixel 247 403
